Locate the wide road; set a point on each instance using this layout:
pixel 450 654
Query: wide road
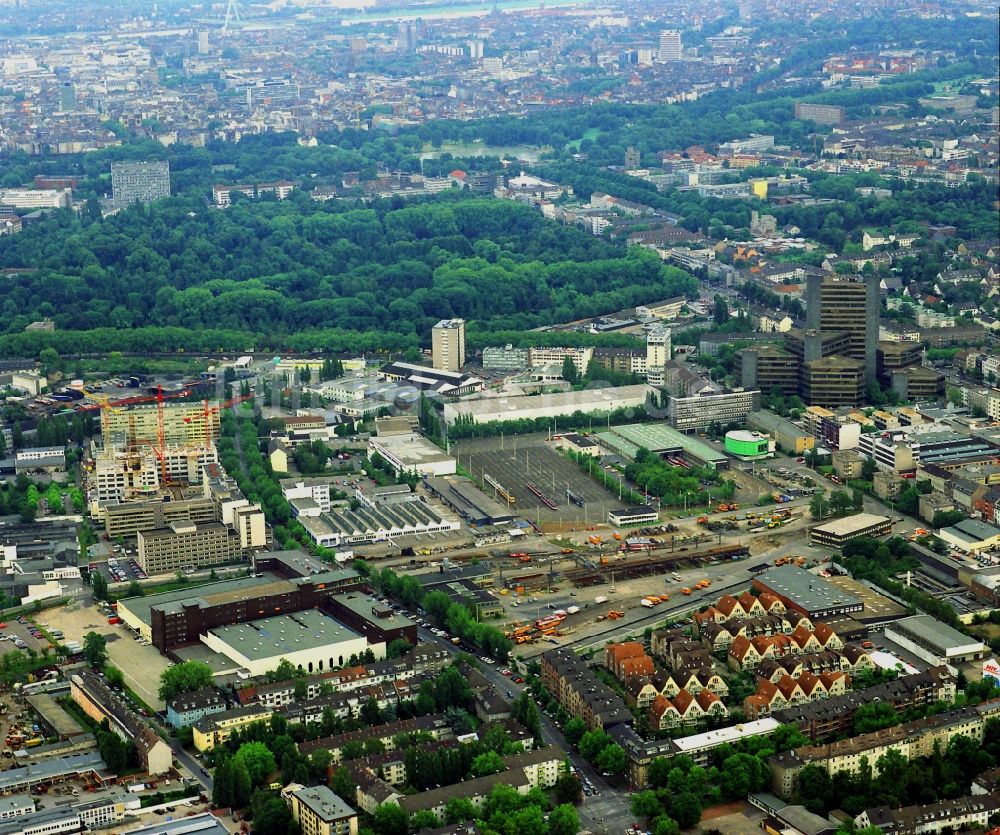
pixel 608 811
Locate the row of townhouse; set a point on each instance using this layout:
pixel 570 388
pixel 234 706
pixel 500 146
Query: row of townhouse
pixel 719 637
pixel 685 708
pixel 835 716
pixel 787 691
pixel 423 659
pixel 676 649
pixel 574 686
pixel 746 605
pixel 748 653
pixel 912 739
pixel 852 659
pixel 640 692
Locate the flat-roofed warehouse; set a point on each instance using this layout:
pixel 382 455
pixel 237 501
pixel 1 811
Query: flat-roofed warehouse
pixel 475 506
pixel 971 536
pixel 933 641
pixel 412 453
pixel 838 531
pixel 311 640
pixel 661 439
pixel 175 618
pixel 806 593
pixel 878 608
pixel 527 406
pixel 62 723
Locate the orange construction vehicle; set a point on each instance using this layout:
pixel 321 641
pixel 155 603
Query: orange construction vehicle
pixel 702 520
pixel 614 614
pixel 685 590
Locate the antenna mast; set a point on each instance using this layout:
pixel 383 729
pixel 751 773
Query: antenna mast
pixel 232 12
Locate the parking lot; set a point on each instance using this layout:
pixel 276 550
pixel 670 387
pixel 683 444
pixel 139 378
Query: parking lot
pixel 121 567
pixel 517 462
pixel 17 633
pixel 141 665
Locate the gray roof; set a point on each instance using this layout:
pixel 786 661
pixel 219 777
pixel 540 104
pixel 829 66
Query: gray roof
pixel 283 634
pixel 805 589
pixel 933 632
pixel 373 611
pixel 203 824
pixel 324 803
pixel 16 826
pixel 980 530
pixel 173 600
pixel 51 769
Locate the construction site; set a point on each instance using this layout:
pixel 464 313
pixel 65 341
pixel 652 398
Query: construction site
pixel 154 475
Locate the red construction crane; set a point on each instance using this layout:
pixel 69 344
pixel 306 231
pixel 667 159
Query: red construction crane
pixel 161 449
pixel 207 411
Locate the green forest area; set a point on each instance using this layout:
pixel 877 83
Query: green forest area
pixel 306 275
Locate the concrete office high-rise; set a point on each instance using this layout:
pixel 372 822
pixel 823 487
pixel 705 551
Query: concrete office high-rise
pixel 67 97
pixel 670 45
pixel 203 42
pixel 658 346
pixel 847 304
pixel 633 159
pixel 139 182
pixel 448 344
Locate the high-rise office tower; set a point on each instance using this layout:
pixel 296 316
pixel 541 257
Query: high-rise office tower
pixel 670 45
pixel 139 182
pixel 448 345
pixel 67 97
pixel 406 39
pixel 203 42
pixel 847 304
pixel 658 345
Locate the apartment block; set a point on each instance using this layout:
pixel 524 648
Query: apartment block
pixel 507 358
pixel 97 700
pixel 319 811
pixel 912 740
pixel 581 357
pixel 448 344
pixel 139 182
pixel 215 730
pixel 573 684
pixel 821 114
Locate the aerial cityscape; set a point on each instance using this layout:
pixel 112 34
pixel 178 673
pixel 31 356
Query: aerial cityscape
pixel 499 417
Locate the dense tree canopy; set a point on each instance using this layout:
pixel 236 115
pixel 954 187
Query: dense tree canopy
pixel 263 271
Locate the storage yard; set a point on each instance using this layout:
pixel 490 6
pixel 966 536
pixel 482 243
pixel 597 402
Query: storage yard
pixel 537 478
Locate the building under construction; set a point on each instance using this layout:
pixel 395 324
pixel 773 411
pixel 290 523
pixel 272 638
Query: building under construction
pixel 184 424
